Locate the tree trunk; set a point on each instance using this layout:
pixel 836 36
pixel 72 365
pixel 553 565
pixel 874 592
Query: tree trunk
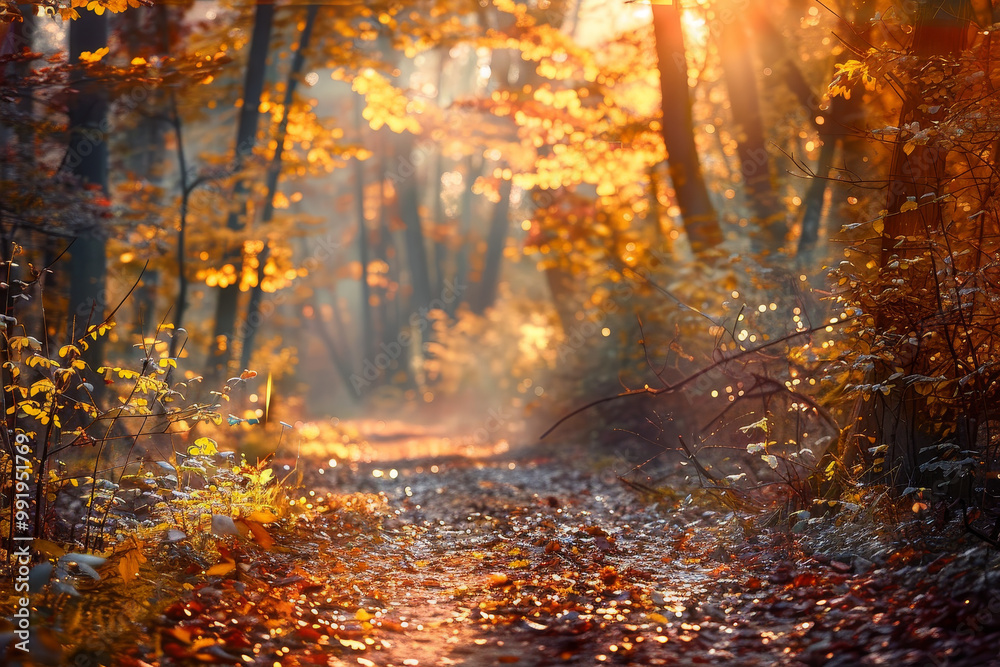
pixel 253 319
pixel 814 201
pixel 337 354
pixel 413 233
pixel 562 284
pixel 778 55
pixel 20 37
pixel 941 28
pixel 364 254
pixel 180 303
pixel 246 137
pixel 22 151
pixel 143 146
pixel 841 123
pixel 751 145
pixel 88 158
pixel 700 220
pixel 833 125
pixel 496 240
pixel 655 211
pixel 899 419
pixel 385 249
pixel 473 169
pixel 440 246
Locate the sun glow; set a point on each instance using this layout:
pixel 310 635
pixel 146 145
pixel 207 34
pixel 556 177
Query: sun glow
pixel 695 28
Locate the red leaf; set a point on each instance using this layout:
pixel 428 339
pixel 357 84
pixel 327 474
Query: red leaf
pixel 804 580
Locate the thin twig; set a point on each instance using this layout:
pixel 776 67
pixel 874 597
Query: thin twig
pixel 680 384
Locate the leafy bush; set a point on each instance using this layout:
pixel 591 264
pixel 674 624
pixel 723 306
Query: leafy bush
pixel 90 458
pixel 924 273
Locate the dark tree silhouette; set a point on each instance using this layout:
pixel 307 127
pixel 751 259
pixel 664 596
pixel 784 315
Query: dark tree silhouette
pixel 700 219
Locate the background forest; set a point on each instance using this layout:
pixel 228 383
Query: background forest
pixel 768 231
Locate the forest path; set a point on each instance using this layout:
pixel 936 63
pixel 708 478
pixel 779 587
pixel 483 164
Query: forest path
pixel 537 556
pixel 491 556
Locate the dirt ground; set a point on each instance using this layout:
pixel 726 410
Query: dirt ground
pixel 532 556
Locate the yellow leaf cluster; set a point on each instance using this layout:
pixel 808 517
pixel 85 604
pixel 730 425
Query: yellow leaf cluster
pixel 67 350
pixel 144 384
pixel 96 330
pixel 44 385
pixel 95 56
pixel 218 277
pixel 22 342
pixel 203 447
pixel 847 74
pixel 385 105
pixel 99 6
pixel 43 413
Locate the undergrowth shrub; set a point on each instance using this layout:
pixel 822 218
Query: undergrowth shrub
pixel 504 354
pixel 925 273
pixel 758 415
pixel 746 393
pixel 98 464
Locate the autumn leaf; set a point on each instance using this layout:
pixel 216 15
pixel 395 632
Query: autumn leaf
pixel 498 579
pixel 203 447
pixel 95 56
pixel 67 350
pixel 260 535
pixel 221 569
pixel 132 559
pixel 48 548
pixel 760 424
pixel 263 516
